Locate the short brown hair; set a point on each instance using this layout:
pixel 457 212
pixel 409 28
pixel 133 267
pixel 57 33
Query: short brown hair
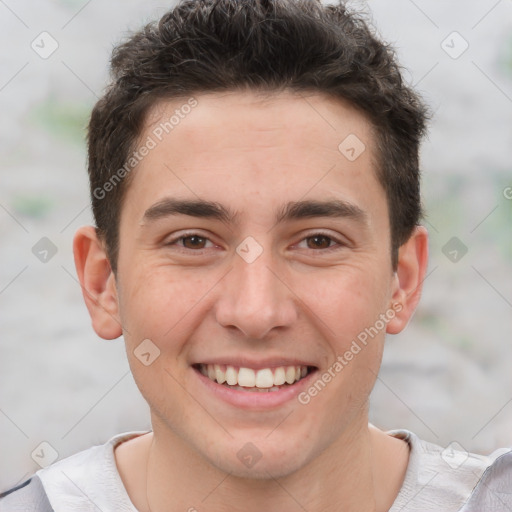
pixel 204 46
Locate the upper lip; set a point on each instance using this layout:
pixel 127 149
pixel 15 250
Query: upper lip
pixel 256 364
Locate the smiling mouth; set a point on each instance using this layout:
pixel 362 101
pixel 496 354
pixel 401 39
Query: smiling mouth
pixel 247 379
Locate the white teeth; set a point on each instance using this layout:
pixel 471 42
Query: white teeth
pixel 256 390
pixel 220 376
pixel 290 374
pixel 247 378
pixel 264 378
pixel 231 376
pixel 279 376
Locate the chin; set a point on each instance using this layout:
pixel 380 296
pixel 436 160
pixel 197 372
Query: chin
pixel 261 459
pixel 267 468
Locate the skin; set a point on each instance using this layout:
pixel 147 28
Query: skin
pixel 253 154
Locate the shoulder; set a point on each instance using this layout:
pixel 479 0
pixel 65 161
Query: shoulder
pixel 30 495
pixel 494 489
pixel 84 481
pixel 448 478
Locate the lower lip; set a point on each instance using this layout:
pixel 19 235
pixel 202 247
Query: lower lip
pixel 255 399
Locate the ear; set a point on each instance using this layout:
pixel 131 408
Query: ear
pixel 408 279
pixel 98 283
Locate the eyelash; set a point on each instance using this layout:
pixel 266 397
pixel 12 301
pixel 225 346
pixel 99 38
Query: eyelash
pixel 339 243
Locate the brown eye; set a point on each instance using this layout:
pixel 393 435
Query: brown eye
pixel 194 242
pixel 318 242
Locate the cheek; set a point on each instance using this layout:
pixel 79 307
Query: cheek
pixel 159 301
pixel 347 301
pixel 348 310
pixel 351 324
pixel 159 307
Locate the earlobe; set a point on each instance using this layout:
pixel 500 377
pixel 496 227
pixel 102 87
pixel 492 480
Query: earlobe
pixel 98 283
pixel 408 279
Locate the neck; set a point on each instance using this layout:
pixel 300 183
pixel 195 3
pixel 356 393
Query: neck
pixel 352 474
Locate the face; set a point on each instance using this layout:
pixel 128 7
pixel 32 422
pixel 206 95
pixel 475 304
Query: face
pixel 255 248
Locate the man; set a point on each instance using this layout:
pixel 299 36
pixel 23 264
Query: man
pixel 255 185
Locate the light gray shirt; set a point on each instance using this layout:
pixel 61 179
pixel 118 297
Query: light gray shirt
pixel 436 480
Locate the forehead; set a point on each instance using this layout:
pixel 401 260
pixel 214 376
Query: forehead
pixel 278 118
pixel 222 143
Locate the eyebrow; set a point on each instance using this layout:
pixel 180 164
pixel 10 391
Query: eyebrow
pixel 336 208
pixel 194 208
pixel 294 210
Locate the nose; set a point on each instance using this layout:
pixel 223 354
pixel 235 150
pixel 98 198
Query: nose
pixel 255 299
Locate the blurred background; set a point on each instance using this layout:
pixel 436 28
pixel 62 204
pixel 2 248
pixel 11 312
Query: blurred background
pixel 448 377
